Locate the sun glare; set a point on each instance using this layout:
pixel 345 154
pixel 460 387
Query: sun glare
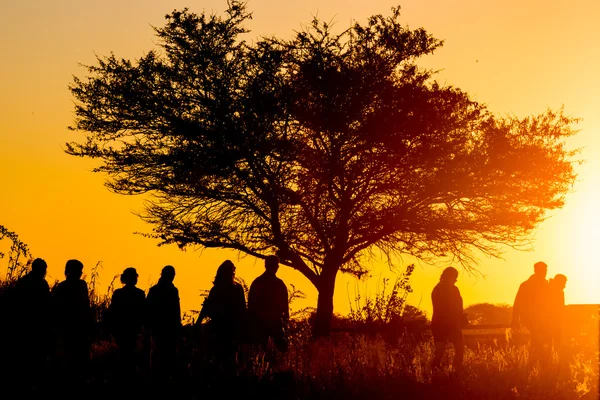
pixel 583 241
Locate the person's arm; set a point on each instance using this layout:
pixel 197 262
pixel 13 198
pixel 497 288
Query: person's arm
pixel 561 308
pixel 110 312
pixel 464 321
pixel 143 311
pixel 178 307
pixel 87 309
pixel 252 299
pixel 241 301
pixel 149 310
pixel 206 309
pixel 47 298
pixel 242 315
pixel 114 301
pixel 55 307
pixel 516 311
pixel 434 299
pixel 85 294
pixel 286 304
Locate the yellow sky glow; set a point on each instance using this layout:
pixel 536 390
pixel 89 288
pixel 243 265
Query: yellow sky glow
pixel 518 57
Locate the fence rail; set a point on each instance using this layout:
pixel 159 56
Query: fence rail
pixel 489 331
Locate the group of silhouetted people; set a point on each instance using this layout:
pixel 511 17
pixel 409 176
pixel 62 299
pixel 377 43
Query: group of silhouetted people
pixel 130 313
pixel 40 324
pixel 232 323
pixel 539 307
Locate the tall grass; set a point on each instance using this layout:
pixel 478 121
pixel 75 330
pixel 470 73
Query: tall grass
pixel 19 256
pixel 383 351
pixel 360 366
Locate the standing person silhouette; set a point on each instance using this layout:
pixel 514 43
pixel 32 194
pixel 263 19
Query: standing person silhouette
pixel 268 306
pixel 447 319
pixel 556 308
pixel 530 310
pixel 73 321
pixel 226 308
pixel 164 321
pixel 556 317
pixel 31 324
pixel 127 312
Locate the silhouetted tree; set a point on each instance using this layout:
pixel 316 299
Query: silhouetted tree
pixel 319 148
pixel 489 314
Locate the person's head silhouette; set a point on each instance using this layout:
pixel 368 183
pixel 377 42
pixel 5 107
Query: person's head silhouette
pixel 167 274
pixel 39 267
pixel 225 273
pixel 73 269
pixel 272 264
pixel 559 281
pixel 129 277
pixel 449 276
pixel 540 269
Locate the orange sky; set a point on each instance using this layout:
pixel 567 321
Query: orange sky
pixel 518 57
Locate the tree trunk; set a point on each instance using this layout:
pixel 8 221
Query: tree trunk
pixel 324 315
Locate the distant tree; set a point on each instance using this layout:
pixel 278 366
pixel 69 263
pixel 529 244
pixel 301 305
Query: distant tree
pixel 489 314
pixel 320 148
pixel 412 313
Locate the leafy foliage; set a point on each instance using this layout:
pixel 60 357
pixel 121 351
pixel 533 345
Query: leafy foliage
pixel 320 148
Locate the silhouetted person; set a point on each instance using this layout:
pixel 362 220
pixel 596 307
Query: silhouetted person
pixel 268 306
pixel 31 324
pixel 556 308
pixel 447 319
pixel 127 312
pixel 530 310
pixel 164 321
pixel 226 308
pixel 73 321
pixel 556 319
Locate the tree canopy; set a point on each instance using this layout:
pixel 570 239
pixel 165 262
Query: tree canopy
pixel 320 148
pixel 489 314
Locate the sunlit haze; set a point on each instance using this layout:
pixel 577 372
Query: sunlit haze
pixel 517 57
